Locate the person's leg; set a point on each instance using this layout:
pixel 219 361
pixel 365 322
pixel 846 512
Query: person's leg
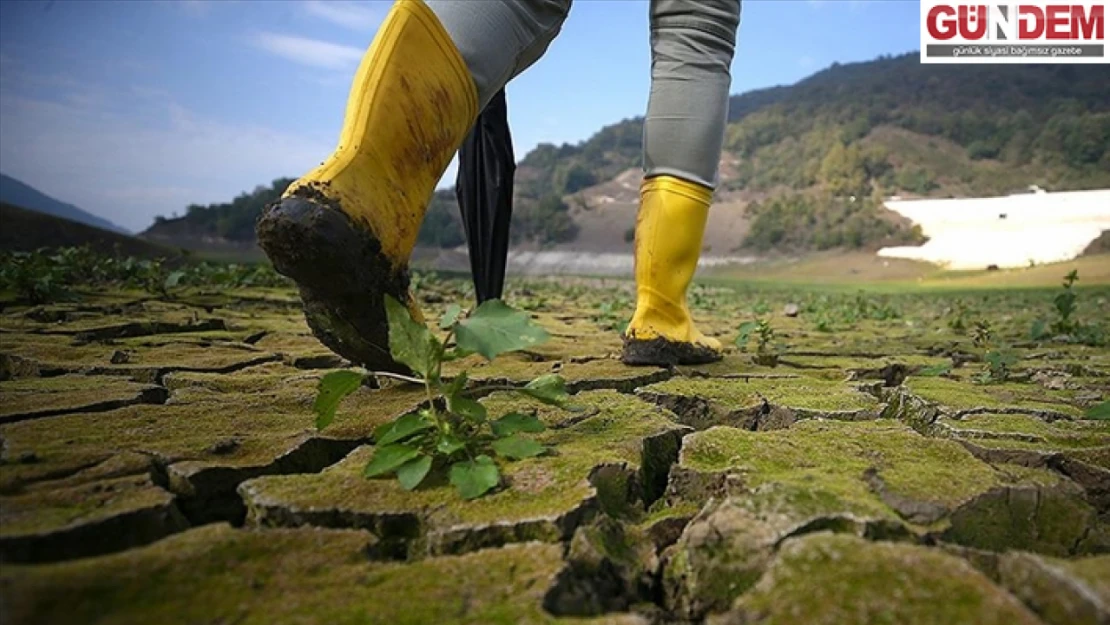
pixel 499 39
pixel 345 230
pixel 692 45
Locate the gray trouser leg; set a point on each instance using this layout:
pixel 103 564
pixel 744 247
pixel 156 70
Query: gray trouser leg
pixel 692 45
pixel 500 38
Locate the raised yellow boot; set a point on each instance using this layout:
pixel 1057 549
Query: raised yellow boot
pixel 669 231
pixel 345 231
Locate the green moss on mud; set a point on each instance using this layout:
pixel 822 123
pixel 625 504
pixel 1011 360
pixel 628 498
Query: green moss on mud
pixel 47 511
pixel 32 396
pixel 542 487
pixel 1097 456
pixel 589 375
pixel 1062 592
pixel 1015 431
pixel 218 574
pixel 144 355
pixel 732 364
pixel 228 420
pixel 802 394
pixel 827 461
pixel 1055 520
pixel 956 395
pixel 849 363
pixel 1093 571
pixel 823 578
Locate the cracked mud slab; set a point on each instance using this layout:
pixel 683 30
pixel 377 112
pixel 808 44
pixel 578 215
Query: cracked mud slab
pixel 592 373
pixel 759 402
pixel 1078 449
pixel 956 397
pixel 877 479
pixel 213 432
pixel 1062 592
pixel 84 520
pixel 143 316
pixel 605 461
pixel 216 574
pixel 1031 441
pixel 877 470
pixel 1015 431
pixel 34 398
pixel 833 579
pixel 142 359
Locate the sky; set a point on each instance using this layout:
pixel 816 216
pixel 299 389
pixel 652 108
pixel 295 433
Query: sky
pixel 136 108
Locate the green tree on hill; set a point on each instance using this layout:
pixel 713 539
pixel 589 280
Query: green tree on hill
pixel 843 171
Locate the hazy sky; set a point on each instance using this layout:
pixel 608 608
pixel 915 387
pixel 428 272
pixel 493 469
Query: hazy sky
pixel 136 108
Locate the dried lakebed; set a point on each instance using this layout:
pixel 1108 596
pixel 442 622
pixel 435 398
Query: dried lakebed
pixel 159 463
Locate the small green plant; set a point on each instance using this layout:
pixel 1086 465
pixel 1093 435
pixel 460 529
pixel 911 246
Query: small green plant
pixel 1000 364
pixel 823 322
pixel 1100 412
pixel 982 333
pixel 957 319
pixel 452 431
pixel 767 351
pixel 1066 326
pixel 703 298
pixel 1065 305
pixel 999 359
pixel 608 317
pixel 34 277
pixel 935 370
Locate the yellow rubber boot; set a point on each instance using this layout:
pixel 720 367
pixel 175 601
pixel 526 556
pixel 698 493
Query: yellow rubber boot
pixel 346 230
pixel 669 231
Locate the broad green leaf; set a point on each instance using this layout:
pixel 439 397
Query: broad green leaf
pixel 456 386
pixel 413 472
pixel 173 279
pixel 449 444
pixel 494 328
pixel 467 408
pixel 550 389
pixel 405 426
pixel 474 478
pixel 1039 330
pixel 516 422
pixel 450 316
pixel 1099 411
pixel 383 430
pixel 463 406
pixel 388 458
pixel 517 447
pixel 410 343
pixel 745 332
pixel 929 372
pixel 331 390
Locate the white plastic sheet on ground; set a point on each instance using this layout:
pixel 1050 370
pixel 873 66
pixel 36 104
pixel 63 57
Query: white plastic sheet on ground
pixel 1008 231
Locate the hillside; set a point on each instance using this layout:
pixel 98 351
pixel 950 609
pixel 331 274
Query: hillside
pixel 796 156
pixel 17 193
pixel 27 230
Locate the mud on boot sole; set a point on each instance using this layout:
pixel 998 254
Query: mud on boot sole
pixel 342 275
pixel 661 352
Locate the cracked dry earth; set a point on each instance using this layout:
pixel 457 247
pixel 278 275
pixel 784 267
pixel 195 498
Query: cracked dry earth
pixel 160 465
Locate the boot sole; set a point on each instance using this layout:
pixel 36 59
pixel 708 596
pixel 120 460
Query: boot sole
pixel 342 276
pixel 661 352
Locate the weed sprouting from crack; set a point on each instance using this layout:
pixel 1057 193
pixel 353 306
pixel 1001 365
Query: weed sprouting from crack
pixel 453 431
